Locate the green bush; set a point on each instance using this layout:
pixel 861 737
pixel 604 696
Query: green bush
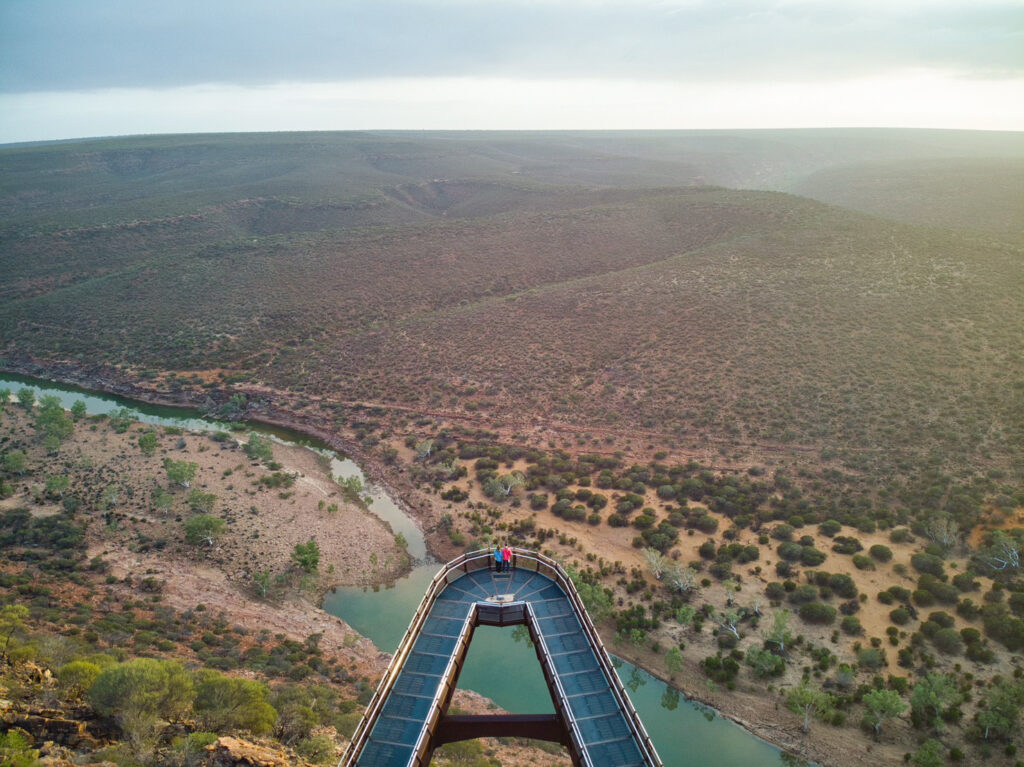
pixel 880 553
pixel 816 612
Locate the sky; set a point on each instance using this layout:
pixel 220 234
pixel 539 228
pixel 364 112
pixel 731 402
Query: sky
pixel 77 68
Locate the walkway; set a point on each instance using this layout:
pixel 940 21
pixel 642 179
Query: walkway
pixel 594 719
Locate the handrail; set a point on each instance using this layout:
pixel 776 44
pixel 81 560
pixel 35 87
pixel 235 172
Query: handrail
pixel 476 560
pixel 563 699
pixel 443 689
pixel 615 684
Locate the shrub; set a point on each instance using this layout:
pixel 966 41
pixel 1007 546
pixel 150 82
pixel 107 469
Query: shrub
pixel 844 544
pixel 790 551
pixel 816 612
pixel 927 563
pixel 829 527
pixel 862 562
pixel 843 585
pixel 811 557
pixel 900 535
pixel 965 581
pixel 885 597
pixel 851 625
pixel 775 591
pixel 899 616
pixel 804 594
pixel 783 532
pixel 923 598
pixel 880 553
pixel 948 641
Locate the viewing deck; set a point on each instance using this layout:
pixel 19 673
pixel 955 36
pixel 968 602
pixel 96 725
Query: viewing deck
pixel 406 719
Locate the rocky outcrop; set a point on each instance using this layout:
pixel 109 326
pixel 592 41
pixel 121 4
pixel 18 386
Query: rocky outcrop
pixel 232 752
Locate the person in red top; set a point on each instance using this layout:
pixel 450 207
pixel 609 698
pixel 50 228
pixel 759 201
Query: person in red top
pixel 506 557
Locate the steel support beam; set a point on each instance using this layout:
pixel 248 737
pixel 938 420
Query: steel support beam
pixel 549 727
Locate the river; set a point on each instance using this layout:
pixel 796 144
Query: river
pixel 500 665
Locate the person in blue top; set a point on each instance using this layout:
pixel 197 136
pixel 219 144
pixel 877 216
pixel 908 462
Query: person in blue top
pixel 497 559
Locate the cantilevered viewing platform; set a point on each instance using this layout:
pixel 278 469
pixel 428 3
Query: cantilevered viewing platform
pixel 407 717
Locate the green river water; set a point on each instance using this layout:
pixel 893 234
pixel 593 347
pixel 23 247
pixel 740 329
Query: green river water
pixel 685 733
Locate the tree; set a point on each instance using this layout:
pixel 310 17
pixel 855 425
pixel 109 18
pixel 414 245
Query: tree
pixel 52 421
pixel 200 501
pixel 224 703
pixel 929 754
pixel 882 705
pixel 162 500
pixel 180 472
pixel 424 449
pixel 15 462
pixel 1002 553
pixel 930 697
pixel 122 419
pixel 12 621
pixel 779 634
pixel 57 485
pixel 656 562
pixel 942 529
pixel 681 579
pixel 203 528
pixel 139 694
pixel 5 396
pixel 307 556
pixel 510 482
pixel 27 398
pixel 76 677
pixel 728 621
pixel 79 410
pixel 259 448
pixel 999 717
pixel 110 496
pixel 673 661
pixel 808 701
pixel 262 582
pixel 147 443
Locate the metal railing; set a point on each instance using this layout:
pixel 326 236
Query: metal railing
pixel 469 562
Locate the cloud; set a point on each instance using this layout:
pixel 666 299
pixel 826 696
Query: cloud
pixel 911 100
pixel 65 45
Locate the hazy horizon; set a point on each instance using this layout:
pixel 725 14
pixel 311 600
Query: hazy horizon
pixel 75 70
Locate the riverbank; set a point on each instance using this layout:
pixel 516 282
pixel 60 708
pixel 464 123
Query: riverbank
pixel 759 711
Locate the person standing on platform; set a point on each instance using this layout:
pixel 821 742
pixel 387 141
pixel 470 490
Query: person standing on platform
pixel 497 559
pixel 506 558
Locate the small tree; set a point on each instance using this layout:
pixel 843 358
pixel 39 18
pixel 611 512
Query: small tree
pixel 5 396
pixel 57 485
pixel 15 462
pixel 27 398
pixel 307 556
pixel 51 420
pixel 882 705
pixel 203 528
pixel 424 449
pixel 162 500
pixel 147 443
pixel 677 578
pixel 1002 553
pixel 808 701
pixel 12 621
pixel 259 448
pixel 779 634
pixel 930 697
pixel 225 703
pixel 656 562
pixel 261 580
pixel 673 661
pixel 180 472
pixel 79 410
pixel 1002 711
pixel 200 501
pixel 76 677
pixel 139 694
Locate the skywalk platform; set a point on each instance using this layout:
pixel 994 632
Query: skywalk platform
pixel 594 718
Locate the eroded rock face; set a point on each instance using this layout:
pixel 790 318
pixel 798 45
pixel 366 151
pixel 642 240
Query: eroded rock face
pixel 232 752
